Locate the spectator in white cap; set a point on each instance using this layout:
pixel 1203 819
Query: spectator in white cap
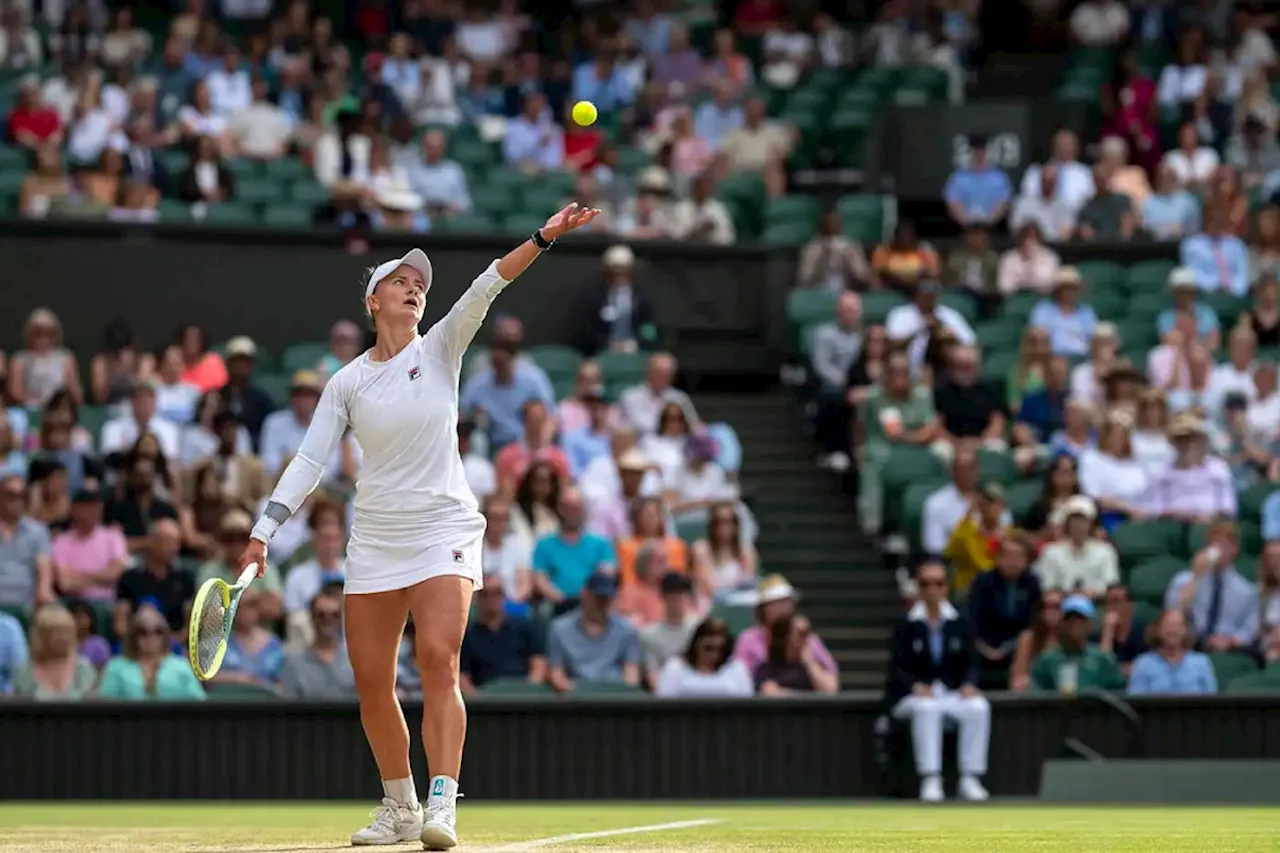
pixel 776 599
pixel 399 210
pixel 1080 562
pixel 1182 284
pixel 618 318
pixel 119 434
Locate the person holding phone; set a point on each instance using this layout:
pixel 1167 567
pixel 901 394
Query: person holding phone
pixel 1220 605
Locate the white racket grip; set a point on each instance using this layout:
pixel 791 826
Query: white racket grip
pixel 246 577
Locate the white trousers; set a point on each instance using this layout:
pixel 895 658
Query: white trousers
pixel 929 714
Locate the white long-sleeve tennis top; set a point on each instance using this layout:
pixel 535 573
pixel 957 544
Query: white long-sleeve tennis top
pixel 404 414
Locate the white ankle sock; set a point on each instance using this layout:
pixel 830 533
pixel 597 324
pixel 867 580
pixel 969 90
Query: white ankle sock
pixel 443 788
pixel 402 791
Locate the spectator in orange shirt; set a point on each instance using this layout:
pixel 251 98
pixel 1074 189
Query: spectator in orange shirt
pixel 641 600
pixel 649 525
pixel 202 369
pixel 514 459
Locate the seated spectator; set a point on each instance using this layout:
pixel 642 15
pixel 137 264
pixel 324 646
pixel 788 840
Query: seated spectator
pixel 649 526
pixel 867 369
pixel 175 400
pixel 26 568
pixel 1183 81
pixel 259 129
pixel 12 458
pixel 34 124
pixel 1100 23
pixel 703 218
pixel 1108 216
pixel 344 346
pixel 43 366
pixel 1264 412
pixel 1127 179
pixel 46 183
pixel 700 482
pixel 968 406
pixel 707 668
pixel 535 444
pixel 590 643
pixel 1076 435
pixel 255 654
pixel 92 645
pixel 975 541
pixel 535 510
pixel 584 444
pixel 727 62
pixel 1171 212
pixel 1234 377
pixel 948 506
pixel 1001 605
pixel 55 671
pixel 834 262
pixel 978 193
pixel 1053 216
pixel 238 475
pixel 1193 164
pixel 121 433
pixel 283 430
pixel 1182 284
pixel 643 404
pixel 1043 413
pixel 668 637
pixel 1269 601
pixel 157 580
pixel 792 666
pixel 575 412
pixel 307 579
pixel 563 562
pixel 13 651
pixel 49 494
pixel 205 370
pixel 691 155
pixel 1123 632
pixel 533 141
pixel 481 477
pixel 933 680
pixel 974 266
pixel 681 63
pixel 641 600
pixel 398 210
pixel 1172 667
pixel 1075 180
pixel 498 391
pixel 321 670
pixel 760 146
pixel 1111 475
pixel 1036 640
pixel 725 565
pixel 1069 323
pixel 138 504
pixel 1219 604
pixel 1263 316
pixel 1128 109
pixel 905 260
pixel 647 214
pixel 233 535
pixel 1075 665
pixel 1030 265
pixel 835 346
pixel 616 483
pixel 1218 258
pixel 498 644
pixel 504 554
pixel 1253 152
pixel 907 325
pixel 1197 488
pixel 89 559
pixel 619 318
pixel 147 667
pixel 1088 377
pixel 1080 562
pixel 776 600
pixel 898 412
pixel 207 180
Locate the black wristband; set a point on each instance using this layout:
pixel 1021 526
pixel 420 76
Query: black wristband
pixel 541 242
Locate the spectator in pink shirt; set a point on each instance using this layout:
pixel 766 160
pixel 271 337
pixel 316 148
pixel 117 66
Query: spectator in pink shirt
pixel 514 459
pixel 573 413
pixel 89 558
pixel 777 600
pixel 690 153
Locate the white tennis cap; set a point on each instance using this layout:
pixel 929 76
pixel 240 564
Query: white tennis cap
pixel 416 258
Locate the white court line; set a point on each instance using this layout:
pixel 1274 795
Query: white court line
pixel 538 843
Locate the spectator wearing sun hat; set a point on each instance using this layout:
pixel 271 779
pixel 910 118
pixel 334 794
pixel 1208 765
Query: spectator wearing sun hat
pixel 618 317
pixel 399 209
pixel 1069 323
pixel 1080 562
pixel 1198 487
pixel 775 599
pixel 241 394
pixel 1184 289
pixel 283 431
pixel 1075 664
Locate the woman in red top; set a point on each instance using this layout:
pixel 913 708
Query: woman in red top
pixel 756 17
pixel 581 144
pixel 202 369
pixel 1129 111
pixel 33 122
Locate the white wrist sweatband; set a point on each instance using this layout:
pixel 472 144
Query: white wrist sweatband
pixel 264 529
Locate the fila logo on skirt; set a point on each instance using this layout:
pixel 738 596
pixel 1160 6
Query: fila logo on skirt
pixel 457 556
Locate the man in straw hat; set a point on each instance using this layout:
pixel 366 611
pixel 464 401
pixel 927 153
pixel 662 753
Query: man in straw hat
pixel 1197 488
pixel 776 599
pixel 1185 292
pixel 1070 325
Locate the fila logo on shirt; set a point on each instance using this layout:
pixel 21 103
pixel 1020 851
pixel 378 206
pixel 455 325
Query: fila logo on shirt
pixel 413 373
pixel 457 556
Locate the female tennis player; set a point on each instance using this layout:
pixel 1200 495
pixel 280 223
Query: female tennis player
pixel 415 541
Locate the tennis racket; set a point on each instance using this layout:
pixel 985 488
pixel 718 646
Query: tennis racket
pixel 211 617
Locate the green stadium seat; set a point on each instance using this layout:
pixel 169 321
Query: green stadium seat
pixel 1101 276
pixel 913 500
pixel 289 215
pixel 927 80
pixel 1149 277
pixel 493 201
pixel 515 687
pixel 1150 578
pixel 1228 666
pixel 230 213
pixel 633 160
pixel 1147 306
pixel 795 233
pixel 275 385
pixel 1227 306
pixel 810 306
pixel 1018 307
pixel 790 209
pixel 1002 333
pixel 1250 501
pixel 556 360
pixel 473 153
pixel 876 305
pixel 1258 682
pixel 93 418
pixel 996 465
pixel 286 170
pixel 304 356
pixel 259 191
pixel 808 98
pixel 13 159
pixel 606 688
pixel 241 167
pixel 1022 496
pixel 171 210
pixel 537 201
pixel 863 217
pixel 223 691
pixel 905 466
pixel 691 528
pixel 309 192
pixel 960 302
pixel 860 99
pixel 1247 566
pixel 475 222
pixel 20 612
pixel 737 618
pixel 880 78
pixel 523 224
pixel 1144 540
pixel 849 129
pixel 996 365
pixel 1250 539
pixel 173 162
pixel 622 369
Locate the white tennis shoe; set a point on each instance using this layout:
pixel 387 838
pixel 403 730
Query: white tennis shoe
pixel 392 823
pixel 438 830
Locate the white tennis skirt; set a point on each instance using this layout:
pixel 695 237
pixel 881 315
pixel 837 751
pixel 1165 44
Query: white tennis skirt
pixel 389 551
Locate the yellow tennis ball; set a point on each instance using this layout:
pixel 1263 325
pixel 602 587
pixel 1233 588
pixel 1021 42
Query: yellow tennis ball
pixel 584 113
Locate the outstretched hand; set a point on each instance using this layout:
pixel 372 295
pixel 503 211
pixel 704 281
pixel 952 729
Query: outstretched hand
pixel 571 218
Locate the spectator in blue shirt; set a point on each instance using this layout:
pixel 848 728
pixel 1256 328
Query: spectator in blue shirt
pixel 1219 259
pixel 593 441
pixel 718 116
pixel 500 390
pixel 590 643
pixel 1271 518
pixel 563 561
pixel 534 141
pixel 1043 412
pixel 439 180
pixel 1172 667
pixel 13 650
pixel 604 83
pixel 979 194
pixel 1070 325
pixel 1182 282
pixel 1170 213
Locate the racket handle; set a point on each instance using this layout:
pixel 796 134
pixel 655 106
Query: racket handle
pixel 246 577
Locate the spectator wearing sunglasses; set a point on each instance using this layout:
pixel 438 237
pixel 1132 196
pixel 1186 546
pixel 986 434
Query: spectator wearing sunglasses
pixel 26 570
pixel 320 671
pixel 933 678
pixel 148 669
pixel 792 666
pixel 707 669
pixel 157 581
